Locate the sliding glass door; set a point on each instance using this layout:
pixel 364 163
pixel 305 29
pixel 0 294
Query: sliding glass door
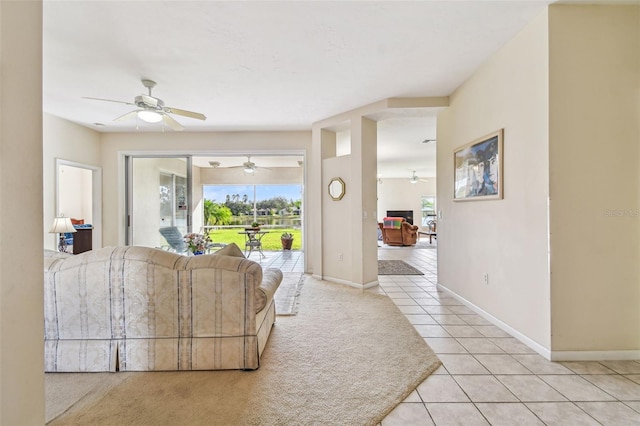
pixel 158 196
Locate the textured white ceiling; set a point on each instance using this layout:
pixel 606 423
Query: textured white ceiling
pixel 271 65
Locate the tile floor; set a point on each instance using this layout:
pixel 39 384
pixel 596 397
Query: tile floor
pixel 491 378
pixel 285 260
pixel 488 377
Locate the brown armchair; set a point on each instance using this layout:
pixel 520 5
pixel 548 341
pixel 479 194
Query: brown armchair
pixel 407 235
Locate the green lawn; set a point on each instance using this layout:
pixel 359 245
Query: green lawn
pixel 271 240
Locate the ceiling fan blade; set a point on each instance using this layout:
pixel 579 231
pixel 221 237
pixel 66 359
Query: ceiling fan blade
pixel 108 100
pixel 126 116
pixel 185 113
pixel 169 121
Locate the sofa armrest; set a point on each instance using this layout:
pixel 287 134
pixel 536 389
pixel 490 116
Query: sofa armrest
pixel 271 280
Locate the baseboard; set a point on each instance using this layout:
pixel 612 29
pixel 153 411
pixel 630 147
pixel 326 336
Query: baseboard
pixel 595 355
pixel 545 352
pixel 351 283
pixel 337 280
pixel 371 284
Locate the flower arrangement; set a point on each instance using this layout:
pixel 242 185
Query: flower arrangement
pixel 196 242
pixel 287 236
pixel 255 225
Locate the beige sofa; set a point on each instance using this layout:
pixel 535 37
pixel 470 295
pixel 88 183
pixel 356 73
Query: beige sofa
pixel 144 309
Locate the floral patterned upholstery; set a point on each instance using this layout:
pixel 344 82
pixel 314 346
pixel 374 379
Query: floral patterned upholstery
pixel 142 309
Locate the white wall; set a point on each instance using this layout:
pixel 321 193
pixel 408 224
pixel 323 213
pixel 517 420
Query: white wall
pixel 146 206
pixel 75 198
pixel 273 176
pixel 594 140
pixel 508 239
pixel 400 194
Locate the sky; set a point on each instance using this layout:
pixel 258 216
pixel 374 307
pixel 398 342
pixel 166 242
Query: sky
pixel 218 193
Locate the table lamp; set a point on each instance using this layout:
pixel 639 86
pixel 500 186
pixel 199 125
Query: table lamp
pixel 62 225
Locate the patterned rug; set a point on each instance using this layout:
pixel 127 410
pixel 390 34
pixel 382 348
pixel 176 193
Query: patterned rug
pixel 286 296
pixel 396 267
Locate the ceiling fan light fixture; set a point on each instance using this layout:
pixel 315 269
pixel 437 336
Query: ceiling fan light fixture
pixel 150 116
pixel 249 170
pixel 414 178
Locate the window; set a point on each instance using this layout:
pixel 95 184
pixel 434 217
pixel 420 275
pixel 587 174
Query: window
pixel 428 208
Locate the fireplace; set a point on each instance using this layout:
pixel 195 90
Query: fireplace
pixel 407 214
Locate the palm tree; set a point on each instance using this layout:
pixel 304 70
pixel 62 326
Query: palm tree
pixel 216 214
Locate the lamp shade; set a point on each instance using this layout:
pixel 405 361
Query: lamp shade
pixel 149 116
pixel 62 225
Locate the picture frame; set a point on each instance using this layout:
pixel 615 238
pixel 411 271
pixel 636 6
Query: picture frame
pixel 477 169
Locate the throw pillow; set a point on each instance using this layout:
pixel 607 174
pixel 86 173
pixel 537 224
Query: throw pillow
pixel 230 250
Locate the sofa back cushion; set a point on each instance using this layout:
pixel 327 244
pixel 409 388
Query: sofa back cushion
pixel 139 292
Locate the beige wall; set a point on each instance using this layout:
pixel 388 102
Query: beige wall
pixel 400 194
pixel 66 141
pixel 337 226
pixel 506 239
pixel 21 217
pixel 594 141
pixel 114 146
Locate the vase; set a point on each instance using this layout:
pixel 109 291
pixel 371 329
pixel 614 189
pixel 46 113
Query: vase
pixel 286 243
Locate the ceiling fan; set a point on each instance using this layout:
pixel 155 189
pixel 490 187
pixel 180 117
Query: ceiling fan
pixel 153 110
pixel 249 167
pixel 415 179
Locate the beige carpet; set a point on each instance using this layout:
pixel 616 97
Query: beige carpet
pixel 347 358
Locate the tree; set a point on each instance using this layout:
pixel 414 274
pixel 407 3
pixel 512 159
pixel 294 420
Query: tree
pixel 273 204
pixel 216 214
pixel 238 208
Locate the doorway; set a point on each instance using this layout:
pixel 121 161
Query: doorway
pixel 79 195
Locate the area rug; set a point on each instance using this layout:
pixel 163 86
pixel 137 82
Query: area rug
pixel 286 297
pixel 396 267
pixel 348 358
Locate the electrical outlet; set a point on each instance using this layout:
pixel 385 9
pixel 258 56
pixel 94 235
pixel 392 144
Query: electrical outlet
pixel 485 277
pixel 340 257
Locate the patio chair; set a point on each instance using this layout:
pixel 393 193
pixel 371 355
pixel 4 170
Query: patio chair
pixel 174 238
